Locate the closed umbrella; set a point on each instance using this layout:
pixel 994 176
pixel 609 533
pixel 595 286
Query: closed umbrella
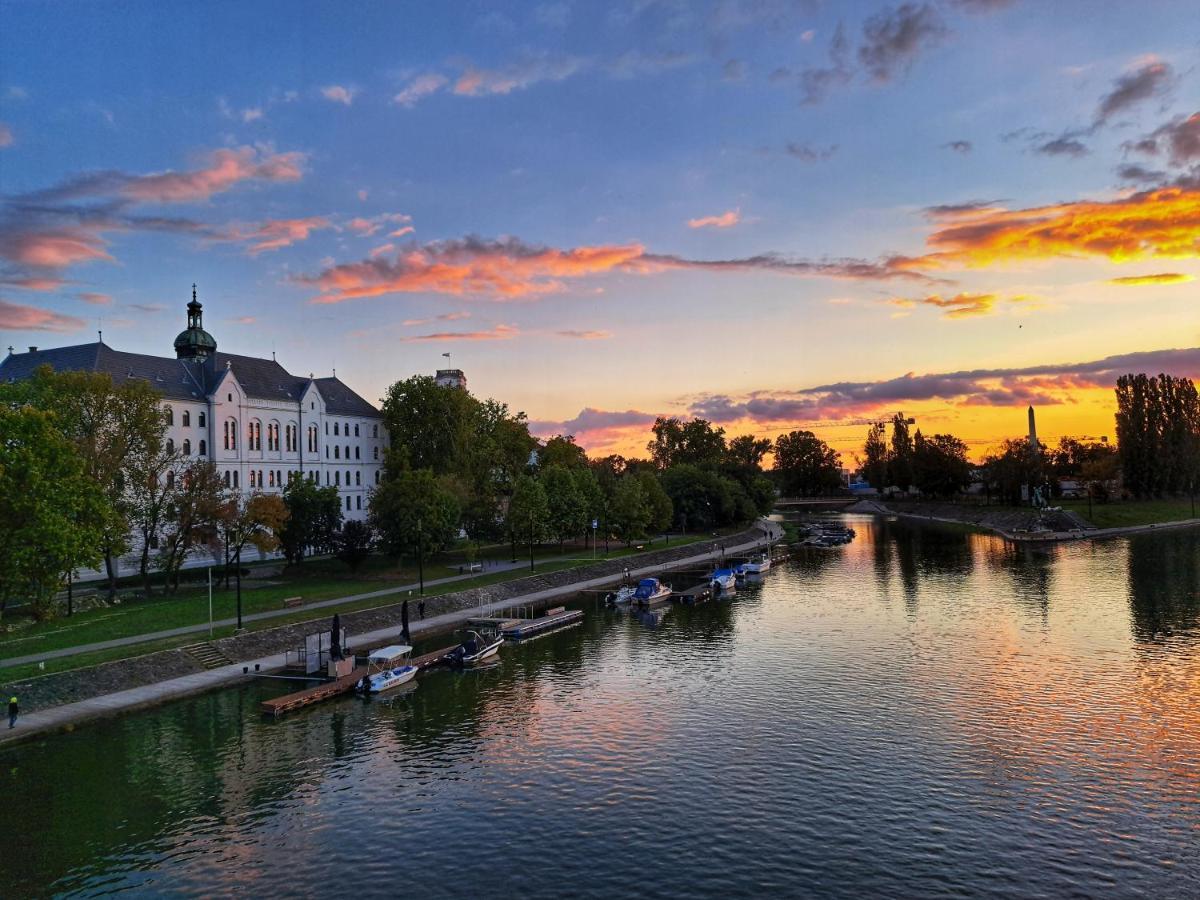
pixel 404 622
pixel 335 639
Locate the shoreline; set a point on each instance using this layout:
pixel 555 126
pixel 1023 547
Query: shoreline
pixel 875 507
pixel 66 716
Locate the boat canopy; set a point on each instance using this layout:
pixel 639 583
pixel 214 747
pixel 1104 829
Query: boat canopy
pixel 648 582
pixel 387 654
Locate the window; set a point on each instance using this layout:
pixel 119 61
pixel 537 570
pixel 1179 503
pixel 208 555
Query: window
pixel 312 438
pixel 271 473
pixel 226 478
pixel 252 482
pixel 260 478
pixel 235 478
pixel 226 435
pixel 254 433
pixel 326 429
pixel 279 478
pixel 326 478
pixel 347 451
pixel 358 479
pixel 337 478
pixel 187 418
pixel 337 452
pixel 358 502
pixel 200 419
pixel 347 503
pixel 203 447
pixel 170 479
pixel 357 455
pixel 347 478
pixel 231 398
pixel 374 431
pixel 335 429
pixel 375 452
pixel 377 476
pixel 170 446
pixel 170 416
pixel 187 447
pixel 356 430
pixel 327 451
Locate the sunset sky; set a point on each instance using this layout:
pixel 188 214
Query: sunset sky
pixel 772 214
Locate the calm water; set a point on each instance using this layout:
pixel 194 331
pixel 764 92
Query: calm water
pixel 922 713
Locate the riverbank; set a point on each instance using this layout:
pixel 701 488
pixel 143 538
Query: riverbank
pixel 63 700
pixel 1017 525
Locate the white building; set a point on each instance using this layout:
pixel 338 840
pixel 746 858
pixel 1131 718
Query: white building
pixel 259 424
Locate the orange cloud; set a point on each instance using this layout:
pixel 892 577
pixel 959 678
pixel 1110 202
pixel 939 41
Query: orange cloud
pixel 365 227
pixel 17 317
pixel 1163 223
pixel 33 282
pixel 598 335
pixel 277 233
pixel 1159 278
pixel 960 305
pixel 96 299
pixel 225 169
pixel 496 333
pixel 727 219
pixel 53 248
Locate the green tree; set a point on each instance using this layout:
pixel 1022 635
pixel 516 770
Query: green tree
pixel 806 465
pixel 700 498
pixel 874 463
pixel 567 515
pixel 591 493
pixel 694 443
pixel 628 512
pixel 561 450
pixel 414 511
pixel 1011 467
pixel 940 464
pixel 154 473
pixel 528 513
pixel 353 544
pixel 314 516
pixel 430 425
pixel 660 510
pixel 258 520
pixel 52 513
pixel 194 517
pixel 900 459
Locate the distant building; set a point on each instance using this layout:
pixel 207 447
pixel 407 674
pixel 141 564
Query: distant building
pixel 453 378
pixel 260 425
pixel 1033 438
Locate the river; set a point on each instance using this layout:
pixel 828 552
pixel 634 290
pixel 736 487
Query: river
pixel 924 712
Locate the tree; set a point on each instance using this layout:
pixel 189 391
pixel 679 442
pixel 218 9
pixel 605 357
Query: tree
pixel 154 473
pixel 258 519
pixel 561 450
pixel 694 443
pixel 590 493
pixel 414 512
pixel 746 453
pixel 52 513
pixel 314 516
pixel 567 515
pixel 874 463
pixel 1158 433
pixel 628 512
pixel 1098 473
pixel 659 508
pixel 806 465
pixel 700 498
pixel 900 462
pixel 353 544
pixel 528 513
pixel 109 425
pixel 940 464
pixel 429 424
pixel 1011 467
pixel 194 517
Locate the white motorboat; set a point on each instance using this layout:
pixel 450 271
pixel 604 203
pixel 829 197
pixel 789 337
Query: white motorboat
pixel 651 590
pixel 756 566
pixel 621 596
pixel 723 580
pixel 387 668
pixel 477 646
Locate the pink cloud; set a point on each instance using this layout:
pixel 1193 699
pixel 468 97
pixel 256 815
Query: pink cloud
pixel 96 299
pixel 17 317
pixel 367 226
pixel 339 94
pixel 380 250
pixel 419 88
pixel 244 320
pixel 599 335
pixel 496 333
pixel 34 282
pixel 727 219
pixel 476 82
pixel 274 234
pixel 53 248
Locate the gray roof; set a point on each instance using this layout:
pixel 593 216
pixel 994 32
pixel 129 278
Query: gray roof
pixel 180 379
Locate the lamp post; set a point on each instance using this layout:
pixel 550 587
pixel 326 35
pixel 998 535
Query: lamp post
pixel 71 588
pixel 421 557
pixel 531 540
pixel 239 584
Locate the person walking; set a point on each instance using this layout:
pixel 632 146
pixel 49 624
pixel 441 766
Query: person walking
pixel 14 710
pixel 421 609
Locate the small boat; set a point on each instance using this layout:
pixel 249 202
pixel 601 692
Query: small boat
pixel 651 590
pixel 621 596
pixel 477 646
pixel 756 566
pixel 723 580
pixel 387 668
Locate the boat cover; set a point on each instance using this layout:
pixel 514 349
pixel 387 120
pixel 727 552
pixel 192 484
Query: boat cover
pixel 383 654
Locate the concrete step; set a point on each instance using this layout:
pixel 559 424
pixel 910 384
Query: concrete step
pixel 207 655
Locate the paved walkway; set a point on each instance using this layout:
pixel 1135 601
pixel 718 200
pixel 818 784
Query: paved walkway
pixel 56 717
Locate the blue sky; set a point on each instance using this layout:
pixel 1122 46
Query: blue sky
pixel 278 153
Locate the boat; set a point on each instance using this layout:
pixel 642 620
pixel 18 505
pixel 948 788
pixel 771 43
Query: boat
pixel 756 566
pixel 723 580
pixel 477 646
pixel 387 668
pixel 651 590
pixel 621 596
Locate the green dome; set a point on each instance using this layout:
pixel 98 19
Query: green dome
pixel 195 342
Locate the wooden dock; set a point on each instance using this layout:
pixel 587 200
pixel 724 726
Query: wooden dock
pixel 277 706
pixel 695 594
pixel 556 618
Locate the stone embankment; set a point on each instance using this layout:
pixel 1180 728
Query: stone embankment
pixel 150 669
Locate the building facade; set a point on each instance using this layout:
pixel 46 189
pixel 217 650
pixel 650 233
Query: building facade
pixel 260 425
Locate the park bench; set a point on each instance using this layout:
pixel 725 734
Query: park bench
pixel 292 602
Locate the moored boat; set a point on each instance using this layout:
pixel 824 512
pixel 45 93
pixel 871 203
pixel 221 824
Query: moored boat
pixel 756 566
pixel 477 646
pixel 651 590
pixel 387 668
pixel 621 596
pixel 723 580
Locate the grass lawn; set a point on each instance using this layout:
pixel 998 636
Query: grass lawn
pixel 316 579
pixel 1120 513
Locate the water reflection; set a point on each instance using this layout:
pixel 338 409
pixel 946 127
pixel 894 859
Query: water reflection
pixel 1023 720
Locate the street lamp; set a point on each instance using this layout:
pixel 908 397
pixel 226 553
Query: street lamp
pixel 531 540
pixel 421 556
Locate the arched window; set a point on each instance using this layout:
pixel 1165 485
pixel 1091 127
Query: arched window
pixel 187 418
pixel 358 479
pixel 260 478
pixel 327 451
pixel 347 503
pixel 187 447
pixel 271 473
pixel 377 476
pixel 203 447
pixel 337 452
pixel 226 435
pixel 235 478
pixel 170 446
pixel 374 431
pixel 257 436
pixel 226 478
pixel 357 455
pixel 375 452
pixel 200 419
pixel 170 479
pixel 337 478
pixel 347 451
pixel 358 502
pixel 335 428
pixel 356 429
pixel 326 429
pixel 252 481
pixel 347 478
pixel 231 433
pixel 326 478
pixel 170 416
